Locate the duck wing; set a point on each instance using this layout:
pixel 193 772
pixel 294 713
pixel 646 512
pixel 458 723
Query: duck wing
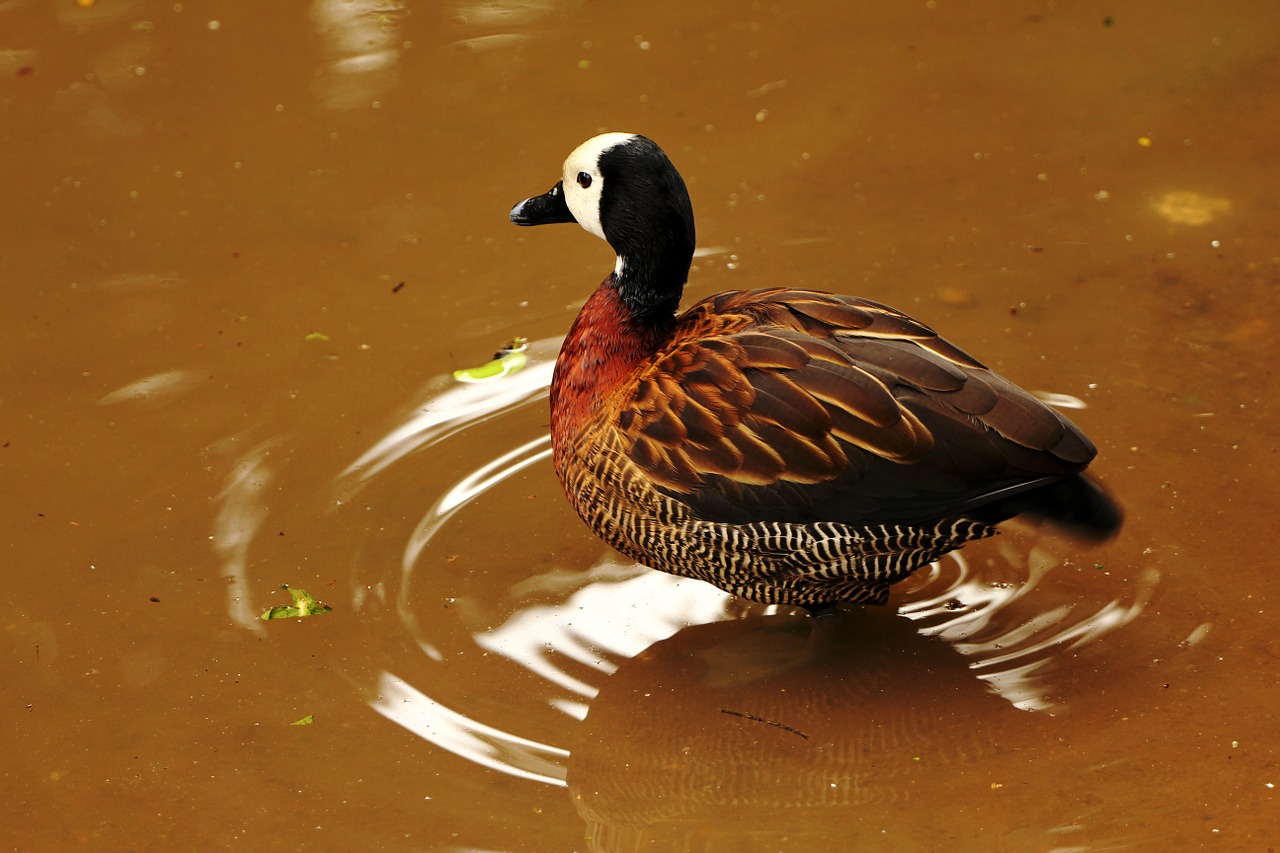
pixel 798 406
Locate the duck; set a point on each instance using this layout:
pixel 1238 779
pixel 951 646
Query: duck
pixel 790 446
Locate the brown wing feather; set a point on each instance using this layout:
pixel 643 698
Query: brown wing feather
pixel 779 403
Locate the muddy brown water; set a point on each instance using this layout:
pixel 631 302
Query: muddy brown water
pixel 244 246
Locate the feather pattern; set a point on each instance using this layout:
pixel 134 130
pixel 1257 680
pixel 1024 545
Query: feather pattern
pixel 817 379
pixel 801 447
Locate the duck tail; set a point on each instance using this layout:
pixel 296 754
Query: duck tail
pixel 1076 504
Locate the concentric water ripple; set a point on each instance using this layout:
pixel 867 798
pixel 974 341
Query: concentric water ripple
pixel 503 637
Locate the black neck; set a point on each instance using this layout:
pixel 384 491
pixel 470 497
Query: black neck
pixel 651 280
pixel 647 218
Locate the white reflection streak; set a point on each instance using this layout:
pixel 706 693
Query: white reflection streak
pixel 465 737
pixel 161 387
pixel 364 35
pixel 440 416
pixel 474 484
pixel 452 411
pixel 1061 401
pixel 1012 661
pixel 504 16
pixel 982 601
pixel 500 13
pixel 577 710
pixel 1029 629
pixel 1113 615
pixel 235 525
pixel 603 618
pixel 492 473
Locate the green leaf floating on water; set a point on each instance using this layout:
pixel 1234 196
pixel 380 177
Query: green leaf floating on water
pixel 509 359
pixel 303 605
pixel 305 721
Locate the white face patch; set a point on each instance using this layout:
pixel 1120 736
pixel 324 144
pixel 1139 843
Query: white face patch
pixel 583 167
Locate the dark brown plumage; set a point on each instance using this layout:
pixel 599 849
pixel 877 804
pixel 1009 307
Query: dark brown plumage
pixel 789 446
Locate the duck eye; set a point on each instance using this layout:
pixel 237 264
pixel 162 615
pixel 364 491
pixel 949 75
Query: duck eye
pixel 584 180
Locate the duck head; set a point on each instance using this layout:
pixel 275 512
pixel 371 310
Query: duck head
pixel 622 188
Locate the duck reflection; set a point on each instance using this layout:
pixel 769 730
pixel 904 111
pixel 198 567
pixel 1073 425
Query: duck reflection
pixel 738 731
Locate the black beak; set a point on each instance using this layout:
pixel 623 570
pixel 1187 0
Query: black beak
pixel 543 209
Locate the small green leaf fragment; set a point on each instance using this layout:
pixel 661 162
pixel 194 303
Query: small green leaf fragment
pixel 305 721
pixel 316 336
pixel 507 360
pixel 303 605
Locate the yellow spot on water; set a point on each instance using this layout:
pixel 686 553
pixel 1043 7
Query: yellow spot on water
pixel 1188 208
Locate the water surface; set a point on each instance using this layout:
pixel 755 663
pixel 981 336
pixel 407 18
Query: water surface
pixel 244 248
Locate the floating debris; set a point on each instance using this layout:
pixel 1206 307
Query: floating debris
pixel 509 359
pixel 303 605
